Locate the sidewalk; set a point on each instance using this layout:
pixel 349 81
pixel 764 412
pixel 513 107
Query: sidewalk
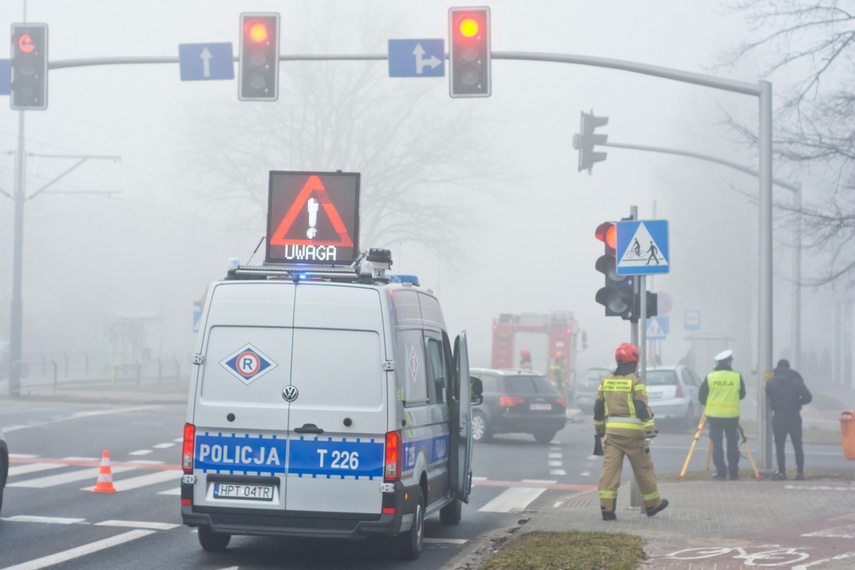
pixel 727 524
pixel 100 390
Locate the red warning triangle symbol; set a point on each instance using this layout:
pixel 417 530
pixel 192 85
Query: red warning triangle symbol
pixel 313 186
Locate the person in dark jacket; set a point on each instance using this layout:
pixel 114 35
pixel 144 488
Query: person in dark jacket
pixel 787 393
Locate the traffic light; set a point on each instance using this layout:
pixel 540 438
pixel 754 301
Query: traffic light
pixel 585 140
pixel 617 295
pixel 469 52
pixel 259 57
pixel 652 304
pixel 29 67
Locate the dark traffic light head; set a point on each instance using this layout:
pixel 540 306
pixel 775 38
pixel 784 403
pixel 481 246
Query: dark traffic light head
pixel 29 67
pixel 258 78
pixel 469 52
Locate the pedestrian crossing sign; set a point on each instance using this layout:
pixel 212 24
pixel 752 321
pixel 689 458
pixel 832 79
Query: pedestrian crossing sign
pixel 642 247
pixel 657 328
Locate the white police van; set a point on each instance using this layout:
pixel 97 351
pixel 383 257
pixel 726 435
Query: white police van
pixel 325 403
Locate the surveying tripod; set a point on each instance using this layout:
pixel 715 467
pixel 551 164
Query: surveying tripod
pixel 709 454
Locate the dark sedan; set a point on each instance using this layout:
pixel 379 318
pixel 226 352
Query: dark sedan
pixel 517 401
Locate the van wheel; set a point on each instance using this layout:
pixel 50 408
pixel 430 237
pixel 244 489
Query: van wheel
pixel 544 436
pixel 213 541
pixel 480 431
pixel 451 513
pixel 410 542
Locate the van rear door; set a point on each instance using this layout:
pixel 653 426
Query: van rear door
pixel 461 470
pixel 240 415
pixel 337 419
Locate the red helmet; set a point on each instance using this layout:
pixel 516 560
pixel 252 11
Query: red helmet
pixel 627 353
pixel 525 353
pixel 559 354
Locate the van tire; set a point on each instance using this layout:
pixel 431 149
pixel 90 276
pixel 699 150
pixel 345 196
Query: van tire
pixel 213 541
pixel 410 542
pixel 480 430
pixel 544 436
pixel 452 512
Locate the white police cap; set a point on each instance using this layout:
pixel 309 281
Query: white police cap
pixel 725 355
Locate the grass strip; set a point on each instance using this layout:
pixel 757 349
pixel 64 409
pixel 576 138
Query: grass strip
pixel 571 550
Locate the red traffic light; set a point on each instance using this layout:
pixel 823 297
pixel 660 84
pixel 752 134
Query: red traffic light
pixel 607 233
pixel 25 43
pixel 468 27
pixel 256 31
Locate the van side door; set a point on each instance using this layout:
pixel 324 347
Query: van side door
pixel 461 478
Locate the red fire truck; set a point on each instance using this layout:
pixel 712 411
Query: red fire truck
pixel 542 334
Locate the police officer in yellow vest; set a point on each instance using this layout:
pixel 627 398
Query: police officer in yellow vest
pixel 721 392
pixel 621 414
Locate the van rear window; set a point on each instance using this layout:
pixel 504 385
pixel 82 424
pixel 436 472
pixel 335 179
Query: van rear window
pixel 337 368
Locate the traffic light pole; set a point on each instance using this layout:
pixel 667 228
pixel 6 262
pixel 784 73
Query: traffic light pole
pixel 17 305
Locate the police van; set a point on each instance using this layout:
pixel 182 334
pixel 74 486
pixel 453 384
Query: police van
pixel 327 402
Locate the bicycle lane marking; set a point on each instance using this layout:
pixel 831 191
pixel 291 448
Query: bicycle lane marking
pixel 822 543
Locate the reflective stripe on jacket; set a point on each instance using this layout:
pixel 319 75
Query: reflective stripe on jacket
pixel 620 394
pixel 723 398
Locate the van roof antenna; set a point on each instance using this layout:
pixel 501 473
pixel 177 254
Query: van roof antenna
pixel 261 241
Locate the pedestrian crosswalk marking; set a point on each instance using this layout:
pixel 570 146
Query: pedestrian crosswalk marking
pixel 81 550
pixel 515 499
pixel 144 480
pixel 33 468
pixel 139 524
pixel 63 478
pixel 46 520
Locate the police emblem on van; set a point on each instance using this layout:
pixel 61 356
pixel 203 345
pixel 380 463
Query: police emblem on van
pixel 248 364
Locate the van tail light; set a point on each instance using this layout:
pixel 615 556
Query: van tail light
pixel 561 401
pixel 187 455
pixel 392 468
pixel 508 401
pixel 679 389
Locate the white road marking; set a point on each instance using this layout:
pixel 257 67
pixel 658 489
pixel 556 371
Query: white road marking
pixel 33 468
pixel 513 500
pixel 144 480
pixel 22 455
pixel 847 531
pixel 139 524
pixel 176 492
pixel 163 445
pixel 444 540
pixel 46 520
pixel 557 472
pixel 141 452
pixel 80 551
pixel 554 456
pixel 63 478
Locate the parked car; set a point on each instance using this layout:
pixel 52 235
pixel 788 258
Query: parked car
pixel 517 401
pixel 4 466
pixel 672 392
pixel 586 388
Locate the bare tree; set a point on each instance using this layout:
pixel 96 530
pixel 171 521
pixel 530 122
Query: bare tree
pixel 425 160
pixel 809 46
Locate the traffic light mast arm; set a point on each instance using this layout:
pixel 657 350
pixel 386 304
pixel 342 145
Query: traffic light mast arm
pixel 708 158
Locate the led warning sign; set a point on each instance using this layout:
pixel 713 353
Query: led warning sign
pixel 313 217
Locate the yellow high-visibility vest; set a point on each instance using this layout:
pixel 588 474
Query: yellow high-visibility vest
pixel 723 398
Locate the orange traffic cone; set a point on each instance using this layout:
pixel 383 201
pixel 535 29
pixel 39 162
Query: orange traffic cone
pixel 105 476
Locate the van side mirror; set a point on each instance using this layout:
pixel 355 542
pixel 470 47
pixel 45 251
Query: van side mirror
pixel 476 390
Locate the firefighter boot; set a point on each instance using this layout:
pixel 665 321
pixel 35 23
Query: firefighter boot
pixel 609 516
pixel 662 506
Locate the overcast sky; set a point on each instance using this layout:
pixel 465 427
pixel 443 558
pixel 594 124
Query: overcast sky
pixel 148 250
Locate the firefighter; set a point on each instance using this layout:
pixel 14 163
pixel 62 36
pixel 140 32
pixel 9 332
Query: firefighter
pixel 525 359
pixel 720 392
pixel 621 415
pixel 558 374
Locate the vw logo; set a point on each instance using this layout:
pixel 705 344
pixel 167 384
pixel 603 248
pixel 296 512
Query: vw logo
pixel 290 393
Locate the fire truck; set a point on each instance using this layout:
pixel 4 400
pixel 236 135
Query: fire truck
pixel 542 334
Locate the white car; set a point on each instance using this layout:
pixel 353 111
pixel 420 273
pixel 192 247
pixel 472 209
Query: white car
pixel 672 393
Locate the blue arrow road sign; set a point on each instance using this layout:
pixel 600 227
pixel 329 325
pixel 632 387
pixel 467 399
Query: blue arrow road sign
pixel 642 247
pixel 416 58
pixel 204 62
pixel 5 77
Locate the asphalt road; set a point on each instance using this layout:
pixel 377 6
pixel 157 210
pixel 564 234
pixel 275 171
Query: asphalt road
pixel 50 516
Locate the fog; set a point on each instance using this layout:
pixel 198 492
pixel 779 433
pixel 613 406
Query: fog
pixel 132 240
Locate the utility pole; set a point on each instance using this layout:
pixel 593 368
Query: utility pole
pixel 17 307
